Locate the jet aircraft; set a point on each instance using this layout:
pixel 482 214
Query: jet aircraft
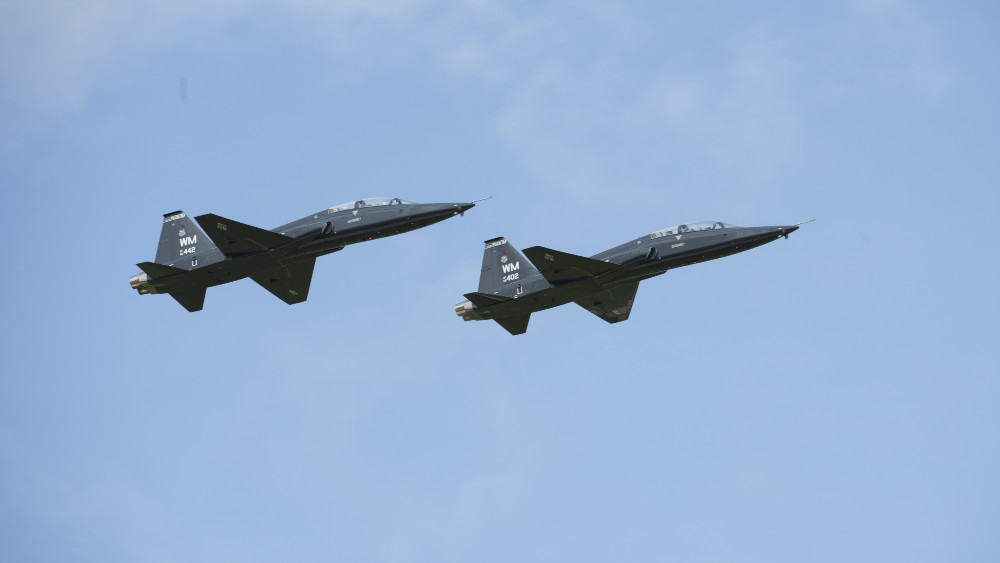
pixel 280 260
pixel 511 288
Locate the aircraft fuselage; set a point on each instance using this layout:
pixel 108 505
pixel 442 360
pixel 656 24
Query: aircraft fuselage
pixel 189 260
pixel 523 290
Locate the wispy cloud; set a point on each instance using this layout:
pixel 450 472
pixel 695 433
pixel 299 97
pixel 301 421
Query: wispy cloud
pixel 565 77
pixel 915 46
pixel 562 106
pixel 54 53
pixel 742 116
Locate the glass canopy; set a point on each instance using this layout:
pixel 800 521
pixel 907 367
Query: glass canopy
pixel 369 202
pixel 691 228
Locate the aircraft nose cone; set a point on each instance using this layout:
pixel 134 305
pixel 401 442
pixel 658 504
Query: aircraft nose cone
pixel 785 231
pixel 463 207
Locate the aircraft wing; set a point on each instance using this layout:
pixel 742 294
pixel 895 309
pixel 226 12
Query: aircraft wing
pixel 563 267
pixel 289 283
pixel 485 299
pixel 612 305
pixel 155 270
pixel 235 239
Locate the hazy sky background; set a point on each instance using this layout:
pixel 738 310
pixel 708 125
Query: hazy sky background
pixel 832 397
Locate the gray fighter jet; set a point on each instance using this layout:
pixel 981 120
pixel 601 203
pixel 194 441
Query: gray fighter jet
pixel 511 288
pixel 280 260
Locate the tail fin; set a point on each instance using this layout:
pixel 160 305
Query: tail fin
pixel 503 268
pixel 515 325
pixel 192 300
pixel 182 242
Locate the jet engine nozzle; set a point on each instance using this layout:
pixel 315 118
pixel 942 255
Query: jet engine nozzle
pixel 467 311
pixel 138 280
pixel 141 283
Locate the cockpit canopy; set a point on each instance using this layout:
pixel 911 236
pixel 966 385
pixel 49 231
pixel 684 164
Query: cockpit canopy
pixel 369 202
pixel 692 227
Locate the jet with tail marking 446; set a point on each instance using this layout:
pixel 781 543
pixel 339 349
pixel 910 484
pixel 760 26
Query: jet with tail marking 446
pixel 511 288
pixel 281 260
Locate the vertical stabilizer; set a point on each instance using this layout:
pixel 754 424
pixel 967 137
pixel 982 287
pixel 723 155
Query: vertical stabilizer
pixel 503 268
pixel 183 244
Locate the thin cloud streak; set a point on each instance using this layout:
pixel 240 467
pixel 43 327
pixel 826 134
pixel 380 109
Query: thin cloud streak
pixel 744 118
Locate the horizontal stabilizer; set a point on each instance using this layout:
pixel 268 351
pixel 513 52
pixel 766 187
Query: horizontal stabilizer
pixel 514 325
pixel 485 299
pixel 159 270
pixel 289 283
pixel 562 267
pixel 235 239
pixel 612 305
pixel 192 300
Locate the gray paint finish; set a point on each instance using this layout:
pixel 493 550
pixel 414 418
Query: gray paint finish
pixel 189 260
pixel 511 287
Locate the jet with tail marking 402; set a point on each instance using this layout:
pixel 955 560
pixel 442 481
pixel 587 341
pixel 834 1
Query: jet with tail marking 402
pixel 281 260
pixel 511 287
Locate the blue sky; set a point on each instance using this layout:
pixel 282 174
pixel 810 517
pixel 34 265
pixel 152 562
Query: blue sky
pixel 827 398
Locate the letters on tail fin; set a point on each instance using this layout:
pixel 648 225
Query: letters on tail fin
pixel 183 244
pixel 503 268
